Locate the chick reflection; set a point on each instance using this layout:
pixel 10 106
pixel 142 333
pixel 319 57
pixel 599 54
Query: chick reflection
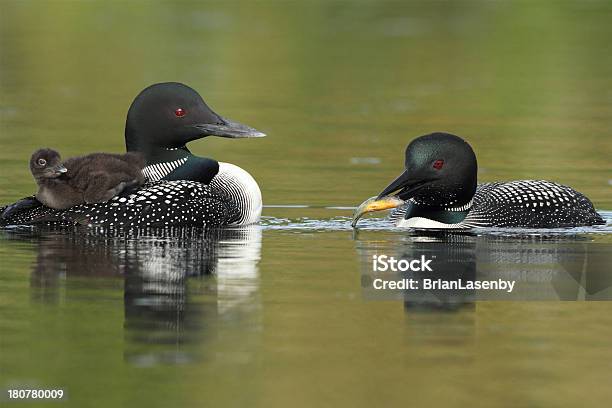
pixel 179 284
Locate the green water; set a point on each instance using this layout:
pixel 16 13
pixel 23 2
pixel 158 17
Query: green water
pixel 275 315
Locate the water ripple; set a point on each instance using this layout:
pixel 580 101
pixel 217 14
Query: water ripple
pixel 343 223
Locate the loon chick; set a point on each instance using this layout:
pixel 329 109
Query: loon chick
pixel 438 190
pixel 184 189
pixel 94 178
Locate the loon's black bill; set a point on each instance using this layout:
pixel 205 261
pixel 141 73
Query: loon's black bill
pixel 229 129
pixel 375 204
pixel 406 184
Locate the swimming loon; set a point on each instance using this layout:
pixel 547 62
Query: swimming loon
pixel 182 189
pixel 438 190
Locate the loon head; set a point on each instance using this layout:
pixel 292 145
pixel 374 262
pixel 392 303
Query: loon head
pixel 168 115
pixel 440 172
pixel 46 164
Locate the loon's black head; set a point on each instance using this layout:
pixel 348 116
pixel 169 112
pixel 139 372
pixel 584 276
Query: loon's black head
pixel 169 115
pixel 440 173
pixel 46 164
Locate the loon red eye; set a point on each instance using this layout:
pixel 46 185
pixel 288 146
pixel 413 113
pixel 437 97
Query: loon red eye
pixel 180 112
pixel 438 164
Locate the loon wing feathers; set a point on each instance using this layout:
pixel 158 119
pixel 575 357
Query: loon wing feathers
pixel 525 203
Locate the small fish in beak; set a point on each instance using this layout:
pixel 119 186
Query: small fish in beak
pixel 375 204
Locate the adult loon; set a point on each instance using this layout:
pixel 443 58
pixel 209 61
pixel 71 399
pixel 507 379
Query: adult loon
pixel 182 189
pixel 438 190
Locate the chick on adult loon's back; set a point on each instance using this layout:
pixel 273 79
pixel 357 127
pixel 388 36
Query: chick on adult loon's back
pixel 94 178
pixel 439 190
pixel 183 189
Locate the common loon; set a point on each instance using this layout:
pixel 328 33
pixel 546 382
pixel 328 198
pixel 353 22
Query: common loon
pixel 94 178
pixel 182 189
pixel 438 190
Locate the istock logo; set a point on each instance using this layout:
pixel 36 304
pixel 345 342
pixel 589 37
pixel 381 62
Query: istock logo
pixel 384 263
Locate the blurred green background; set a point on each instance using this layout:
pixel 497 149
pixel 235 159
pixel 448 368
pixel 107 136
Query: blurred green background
pixel 340 88
pixel 528 84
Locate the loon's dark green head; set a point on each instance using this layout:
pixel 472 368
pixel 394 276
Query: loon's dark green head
pixel 169 115
pixel 440 173
pixel 440 170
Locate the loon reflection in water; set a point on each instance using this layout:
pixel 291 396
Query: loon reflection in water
pixel 178 284
pixel 544 267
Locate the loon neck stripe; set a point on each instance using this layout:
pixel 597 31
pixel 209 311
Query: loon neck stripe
pixel 158 171
pixel 441 214
pixel 172 149
pixel 464 207
pixel 413 215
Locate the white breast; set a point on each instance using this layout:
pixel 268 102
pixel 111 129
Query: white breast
pixel 425 223
pixel 242 188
